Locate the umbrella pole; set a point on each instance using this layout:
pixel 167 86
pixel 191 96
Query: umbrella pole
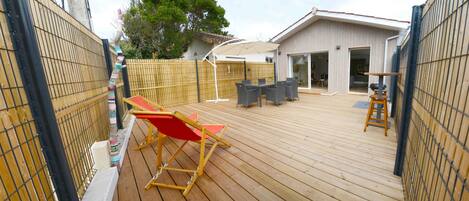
pixel 275 66
pixel 217 99
pixel 245 70
pixel 215 77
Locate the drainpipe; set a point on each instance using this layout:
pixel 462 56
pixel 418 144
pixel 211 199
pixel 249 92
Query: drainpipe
pixel 276 65
pixel 386 44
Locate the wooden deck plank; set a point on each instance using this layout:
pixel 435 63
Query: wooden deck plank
pixel 287 141
pixel 291 142
pixel 281 132
pixel 141 172
pixel 178 178
pixel 272 123
pixel 149 157
pixel 312 149
pixel 304 188
pixel 205 183
pixel 354 188
pixel 363 182
pixel 274 186
pixel 244 181
pixel 214 186
pixel 233 181
pixel 126 186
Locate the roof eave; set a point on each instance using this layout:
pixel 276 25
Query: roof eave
pixel 310 18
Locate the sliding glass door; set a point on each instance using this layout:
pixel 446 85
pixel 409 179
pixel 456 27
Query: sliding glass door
pixel 299 65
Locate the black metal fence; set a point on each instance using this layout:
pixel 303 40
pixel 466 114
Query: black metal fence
pixel 434 156
pixel 400 82
pixel 54 85
pixel 24 173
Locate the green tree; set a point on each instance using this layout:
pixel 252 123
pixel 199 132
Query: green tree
pixel 164 28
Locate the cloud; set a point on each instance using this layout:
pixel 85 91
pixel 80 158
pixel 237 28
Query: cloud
pixel 104 13
pixel 394 9
pixel 262 19
pixel 257 31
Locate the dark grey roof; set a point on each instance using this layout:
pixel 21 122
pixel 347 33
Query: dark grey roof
pixel 213 38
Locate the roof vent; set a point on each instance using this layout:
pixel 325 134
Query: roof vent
pixel 314 10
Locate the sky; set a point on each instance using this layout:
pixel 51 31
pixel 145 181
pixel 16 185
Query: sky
pixel 263 19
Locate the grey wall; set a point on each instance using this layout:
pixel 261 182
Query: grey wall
pixel 325 35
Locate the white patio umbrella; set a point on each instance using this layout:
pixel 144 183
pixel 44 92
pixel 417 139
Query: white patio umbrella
pixel 236 47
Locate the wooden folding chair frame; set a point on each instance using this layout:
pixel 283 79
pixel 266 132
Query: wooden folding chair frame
pixel 150 137
pixel 203 159
pixel 138 107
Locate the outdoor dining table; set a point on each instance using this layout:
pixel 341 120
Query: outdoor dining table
pixel 261 87
pixel 380 90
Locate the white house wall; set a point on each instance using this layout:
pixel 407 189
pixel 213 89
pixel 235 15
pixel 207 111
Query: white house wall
pixel 325 35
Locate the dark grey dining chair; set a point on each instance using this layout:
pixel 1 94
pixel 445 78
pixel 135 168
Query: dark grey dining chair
pixel 281 83
pixel 248 84
pixel 261 81
pixel 275 94
pixel 292 89
pixel 246 96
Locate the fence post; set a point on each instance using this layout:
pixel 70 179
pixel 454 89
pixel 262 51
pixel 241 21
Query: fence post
pixel 275 73
pixel 125 78
pixel 109 66
pixel 35 84
pixel 245 70
pixel 396 58
pixel 409 88
pixel 198 81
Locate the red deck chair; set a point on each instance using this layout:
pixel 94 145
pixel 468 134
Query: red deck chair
pixel 178 126
pixel 140 103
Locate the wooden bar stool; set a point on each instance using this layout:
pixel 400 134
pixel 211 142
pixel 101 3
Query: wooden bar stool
pixel 370 120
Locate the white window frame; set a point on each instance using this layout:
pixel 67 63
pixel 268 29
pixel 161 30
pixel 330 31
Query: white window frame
pixel 349 66
pixel 290 67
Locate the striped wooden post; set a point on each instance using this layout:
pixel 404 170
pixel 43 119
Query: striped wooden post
pixel 112 85
pixel 114 141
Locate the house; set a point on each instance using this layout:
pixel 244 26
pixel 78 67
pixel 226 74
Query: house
pixel 204 42
pixel 332 50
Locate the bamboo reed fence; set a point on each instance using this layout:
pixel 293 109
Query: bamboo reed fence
pixel 77 78
pixel 23 170
pixel 401 84
pixel 74 64
pixel 174 82
pixel 436 163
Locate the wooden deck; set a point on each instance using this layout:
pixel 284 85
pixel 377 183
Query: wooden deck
pixel 312 149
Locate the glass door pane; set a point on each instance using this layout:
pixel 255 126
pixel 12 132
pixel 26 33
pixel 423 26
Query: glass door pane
pixel 300 69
